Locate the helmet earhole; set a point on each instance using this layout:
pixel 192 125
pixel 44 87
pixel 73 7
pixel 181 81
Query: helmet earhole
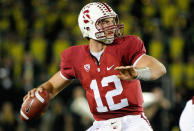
pixel 88 28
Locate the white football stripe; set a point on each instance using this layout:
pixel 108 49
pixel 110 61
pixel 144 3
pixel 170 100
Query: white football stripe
pixel 39 97
pixel 134 64
pixel 25 117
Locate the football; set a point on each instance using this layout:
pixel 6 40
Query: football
pixel 34 107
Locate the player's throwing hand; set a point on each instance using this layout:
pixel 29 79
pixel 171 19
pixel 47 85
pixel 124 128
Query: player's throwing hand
pixel 31 93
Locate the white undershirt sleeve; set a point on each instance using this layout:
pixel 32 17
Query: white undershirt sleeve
pixel 63 76
pixel 134 64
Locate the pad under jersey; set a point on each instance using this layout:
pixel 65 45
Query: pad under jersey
pixel 108 97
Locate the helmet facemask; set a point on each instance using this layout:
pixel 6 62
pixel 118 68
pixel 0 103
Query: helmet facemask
pixel 108 33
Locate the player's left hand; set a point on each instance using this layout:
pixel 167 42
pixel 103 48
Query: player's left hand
pixel 126 72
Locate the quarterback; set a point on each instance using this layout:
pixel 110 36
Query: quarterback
pixel 109 69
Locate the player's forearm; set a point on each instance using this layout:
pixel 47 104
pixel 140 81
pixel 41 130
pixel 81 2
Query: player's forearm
pixel 149 68
pixel 157 70
pixel 55 85
pixel 53 89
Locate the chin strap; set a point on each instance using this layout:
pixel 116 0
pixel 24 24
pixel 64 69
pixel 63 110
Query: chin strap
pixel 108 41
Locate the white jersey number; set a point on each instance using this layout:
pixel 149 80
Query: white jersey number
pixel 109 95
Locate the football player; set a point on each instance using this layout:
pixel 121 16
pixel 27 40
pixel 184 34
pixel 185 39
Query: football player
pixel 186 122
pixel 109 69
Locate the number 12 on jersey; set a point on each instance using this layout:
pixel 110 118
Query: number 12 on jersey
pixel 109 95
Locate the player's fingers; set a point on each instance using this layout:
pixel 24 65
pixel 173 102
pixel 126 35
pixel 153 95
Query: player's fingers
pixel 133 69
pixel 122 71
pixel 32 92
pixel 124 77
pixel 123 67
pixel 130 69
pixel 126 70
pixel 119 67
pixel 25 97
pixel 40 89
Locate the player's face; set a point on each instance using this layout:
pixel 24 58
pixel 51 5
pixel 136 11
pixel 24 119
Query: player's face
pixel 106 24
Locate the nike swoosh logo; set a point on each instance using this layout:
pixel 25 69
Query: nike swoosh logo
pixel 109 68
pixel 28 109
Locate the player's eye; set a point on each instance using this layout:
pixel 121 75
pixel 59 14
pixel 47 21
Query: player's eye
pixel 107 22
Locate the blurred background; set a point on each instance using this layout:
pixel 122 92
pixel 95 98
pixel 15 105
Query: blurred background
pixel 33 33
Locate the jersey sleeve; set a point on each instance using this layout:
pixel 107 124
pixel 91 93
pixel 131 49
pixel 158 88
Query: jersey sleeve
pixel 67 65
pixel 137 49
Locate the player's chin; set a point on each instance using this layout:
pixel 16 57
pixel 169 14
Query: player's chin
pixel 110 36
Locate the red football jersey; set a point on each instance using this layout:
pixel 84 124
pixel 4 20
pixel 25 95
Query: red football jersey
pixel 107 95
